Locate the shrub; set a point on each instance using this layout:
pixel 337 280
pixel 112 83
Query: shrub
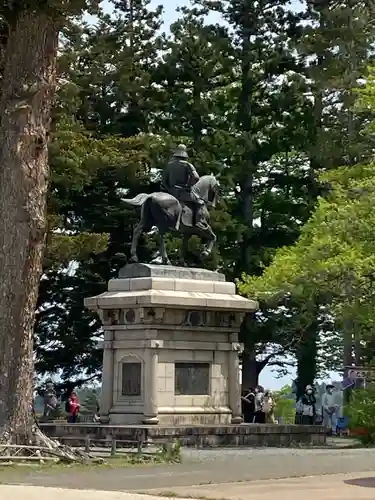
pixel 285 405
pixel 361 414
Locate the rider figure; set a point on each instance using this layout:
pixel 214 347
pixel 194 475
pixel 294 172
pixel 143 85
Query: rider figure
pixel 179 177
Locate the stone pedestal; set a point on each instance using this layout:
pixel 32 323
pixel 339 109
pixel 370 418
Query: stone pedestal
pixel 170 347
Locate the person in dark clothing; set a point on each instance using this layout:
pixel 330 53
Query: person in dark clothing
pixel 179 176
pixel 308 406
pixel 248 406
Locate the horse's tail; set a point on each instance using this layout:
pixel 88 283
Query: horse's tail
pixel 137 201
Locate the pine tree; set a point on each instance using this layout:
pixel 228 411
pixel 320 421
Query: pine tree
pixel 112 63
pixel 196 67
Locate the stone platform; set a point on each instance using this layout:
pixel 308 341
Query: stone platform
pixel 204 436
pixel 171 349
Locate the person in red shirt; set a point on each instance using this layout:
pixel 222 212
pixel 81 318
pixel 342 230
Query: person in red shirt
pixel 74 408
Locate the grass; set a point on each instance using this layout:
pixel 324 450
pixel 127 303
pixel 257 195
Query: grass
pixel 167 455
pixel 119 462
pixel 172 494
pixel 17 473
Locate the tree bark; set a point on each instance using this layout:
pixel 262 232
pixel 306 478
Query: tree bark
pixel 250 374
pixel 28 90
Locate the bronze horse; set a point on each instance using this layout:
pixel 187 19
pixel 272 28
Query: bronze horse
pixel 168 214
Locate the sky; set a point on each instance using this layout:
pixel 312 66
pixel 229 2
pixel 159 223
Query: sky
pixel 267 377
pixel 170 15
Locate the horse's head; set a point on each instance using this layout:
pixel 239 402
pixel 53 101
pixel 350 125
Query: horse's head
pixel 208 188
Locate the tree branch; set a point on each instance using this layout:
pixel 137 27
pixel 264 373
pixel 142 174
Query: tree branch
pixel 260 365
pixel 281 364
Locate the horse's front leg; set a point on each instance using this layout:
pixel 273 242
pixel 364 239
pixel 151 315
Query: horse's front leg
pixel 163 250
pixel 211 236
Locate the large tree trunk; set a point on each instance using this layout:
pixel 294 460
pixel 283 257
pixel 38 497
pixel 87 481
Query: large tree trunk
pixel 250 374
pixel 28 89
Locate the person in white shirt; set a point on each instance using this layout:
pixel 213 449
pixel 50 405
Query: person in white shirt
pixel 259 415
pixel 330 409
pixel 268 407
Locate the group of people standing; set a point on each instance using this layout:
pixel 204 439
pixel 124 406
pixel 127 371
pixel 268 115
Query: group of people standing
pixel 258 406
pixel 307 412
pixel 52 404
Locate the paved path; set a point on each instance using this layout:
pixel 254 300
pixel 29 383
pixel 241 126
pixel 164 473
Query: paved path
pixel 204 467
pixel 338 487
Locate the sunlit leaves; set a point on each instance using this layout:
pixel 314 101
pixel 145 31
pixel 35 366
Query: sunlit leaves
pixel 336 249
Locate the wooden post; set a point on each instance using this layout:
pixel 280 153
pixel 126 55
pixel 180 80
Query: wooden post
pixel 113 449
pixel 139 438
pixel 87 444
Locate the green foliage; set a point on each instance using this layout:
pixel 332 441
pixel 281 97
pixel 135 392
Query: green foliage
pixel 65 248
pixel 333 257
pixel 285 405
pixel 333 78
pixel 111 64
pixel 332 262
pixel 361 414
pixel 171 452
pixel 89 406
pixel 191 79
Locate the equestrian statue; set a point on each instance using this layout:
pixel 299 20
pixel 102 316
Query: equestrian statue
pixel 181 206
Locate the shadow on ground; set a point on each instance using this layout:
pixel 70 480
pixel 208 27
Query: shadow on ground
pixel 364 482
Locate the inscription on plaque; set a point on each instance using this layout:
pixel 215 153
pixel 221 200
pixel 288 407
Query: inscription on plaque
pixel 192 379
pixel 131 379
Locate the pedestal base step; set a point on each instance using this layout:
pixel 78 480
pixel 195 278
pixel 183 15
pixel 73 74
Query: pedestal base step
pixel 198 436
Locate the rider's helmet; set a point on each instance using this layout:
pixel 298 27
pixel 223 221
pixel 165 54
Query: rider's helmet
pixel 181 152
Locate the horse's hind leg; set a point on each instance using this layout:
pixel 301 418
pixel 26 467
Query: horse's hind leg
pixel 163 250
pixel 138 230
pixel 184 249
pixel 137 233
